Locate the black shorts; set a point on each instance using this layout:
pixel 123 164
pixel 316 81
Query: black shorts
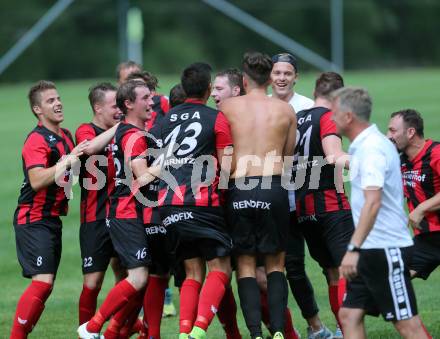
pixel 195 231
pixel 259 217
pixel 96 246
pixel 327 236
pixel 426 255
pixel 157 243
pixel 383 285
pixel 39 246
pixel 130 242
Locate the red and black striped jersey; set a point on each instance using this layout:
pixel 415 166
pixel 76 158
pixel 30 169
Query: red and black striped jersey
pixel 316 190
pixel 161 106
pixel 191 133
pixel 127 200
pixel 421 181
pixel 96 176
pixel 43 148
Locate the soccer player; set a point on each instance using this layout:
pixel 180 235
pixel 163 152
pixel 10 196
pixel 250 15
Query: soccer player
pixel 126 217
pixel 258 206
pixel 376 261
pixel 97 181
pixel 124 69
pixel 227 84
pixel 194 137
pixel 160 102
pixel 177 95
pixel 420 165
pixel 284 76
pixel 322 209
pixel 47 155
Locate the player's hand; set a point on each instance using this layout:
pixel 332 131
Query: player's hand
pixel 78 150
pixel 348 268
pixel 415 218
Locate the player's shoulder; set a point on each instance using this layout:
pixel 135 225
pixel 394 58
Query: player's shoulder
pixel 85 127
pixel 435 149
pixel 35 136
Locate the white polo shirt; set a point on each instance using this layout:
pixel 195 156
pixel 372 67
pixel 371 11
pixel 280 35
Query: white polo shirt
pixel 375 162
pixel 300 102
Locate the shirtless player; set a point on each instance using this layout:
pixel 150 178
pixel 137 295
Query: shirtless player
pixel 258 207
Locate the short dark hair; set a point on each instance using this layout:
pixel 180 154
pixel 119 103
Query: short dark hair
pixel 177 95
pixel 411 118
pixel 127 91
pixel 235 78
pixel 326 83
pixel 124 65
pixel 34 94
pixel 150 79
pixel 97 93
pixel 257 66
pixel 196 79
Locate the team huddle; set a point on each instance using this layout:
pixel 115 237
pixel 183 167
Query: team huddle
pixel 171 186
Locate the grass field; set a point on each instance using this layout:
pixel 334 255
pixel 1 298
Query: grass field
pixel 391 91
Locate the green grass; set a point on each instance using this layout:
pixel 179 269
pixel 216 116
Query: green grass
pixel 391 91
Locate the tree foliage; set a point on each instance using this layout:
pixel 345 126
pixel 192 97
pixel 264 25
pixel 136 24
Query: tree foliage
pixel 83 42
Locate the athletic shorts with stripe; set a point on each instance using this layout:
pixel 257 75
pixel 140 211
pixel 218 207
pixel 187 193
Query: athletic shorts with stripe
pixel 383 284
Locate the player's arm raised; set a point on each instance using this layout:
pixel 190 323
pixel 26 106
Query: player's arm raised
pixel 98 143
pixel 144 174
pixel 41 177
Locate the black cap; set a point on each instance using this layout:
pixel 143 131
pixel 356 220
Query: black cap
pixel 286 57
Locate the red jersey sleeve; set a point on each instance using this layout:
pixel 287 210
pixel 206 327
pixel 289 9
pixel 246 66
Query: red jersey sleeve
pixel 84 132
pixel 35 151
pixel 435 160
pixel 134 145
pixel 223 137
pixel 164 104
pixel 327 126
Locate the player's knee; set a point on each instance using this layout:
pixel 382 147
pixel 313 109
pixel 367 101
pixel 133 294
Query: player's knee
pixel 119 272
pixel 47 278
pixel 348 317
pixel 195 271
pixel 295 268
pixel 408 328
pixel 93 280
pixel 261 278
pixel 138 277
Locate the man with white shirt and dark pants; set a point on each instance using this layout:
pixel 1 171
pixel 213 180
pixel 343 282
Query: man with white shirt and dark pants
pixel 284 76
pixel 376 260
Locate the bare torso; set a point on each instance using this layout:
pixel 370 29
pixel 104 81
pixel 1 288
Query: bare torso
pixel 263 131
